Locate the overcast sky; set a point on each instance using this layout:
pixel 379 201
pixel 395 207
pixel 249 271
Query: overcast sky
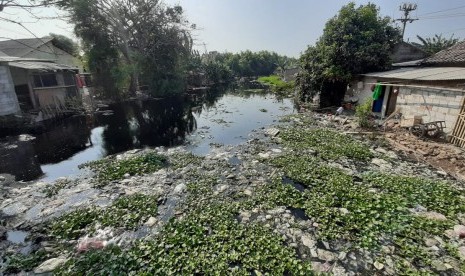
pixel 283 26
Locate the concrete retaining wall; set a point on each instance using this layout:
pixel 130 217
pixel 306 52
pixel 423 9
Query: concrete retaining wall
pixel 8 100
pixel 432 104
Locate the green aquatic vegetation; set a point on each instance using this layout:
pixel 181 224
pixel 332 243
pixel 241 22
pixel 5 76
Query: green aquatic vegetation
pixel 409 242
pixel 73 225
pixel 15 263
pixel 276 83
pixel 436 196
pixel 327 143
pixel 181 160
pixel 126 212
pixel 363 212
pixel 276 194
pixel 53 189
pixel 110 169
pixel 108 261
pixel 348 211
pixel 309 170
pixel 129 211
pixel 208 241
pixel 201 187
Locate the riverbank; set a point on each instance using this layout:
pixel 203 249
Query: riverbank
pixel 295 198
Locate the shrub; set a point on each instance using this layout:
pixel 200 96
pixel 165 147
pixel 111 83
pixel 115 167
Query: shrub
pixel 363 114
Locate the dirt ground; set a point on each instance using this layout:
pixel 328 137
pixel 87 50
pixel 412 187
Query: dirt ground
pixel 440 154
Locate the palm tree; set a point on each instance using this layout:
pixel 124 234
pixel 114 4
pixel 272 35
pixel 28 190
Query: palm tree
pixel 436 43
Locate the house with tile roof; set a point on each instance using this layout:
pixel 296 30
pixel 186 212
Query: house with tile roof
pixel 433 89
pixel 453 56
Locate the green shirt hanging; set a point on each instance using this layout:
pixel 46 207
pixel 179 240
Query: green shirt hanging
pixel 377 92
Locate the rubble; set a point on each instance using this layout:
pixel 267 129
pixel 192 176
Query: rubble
pixel 27 207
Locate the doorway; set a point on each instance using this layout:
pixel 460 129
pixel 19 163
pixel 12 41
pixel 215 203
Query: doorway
pixel 392 100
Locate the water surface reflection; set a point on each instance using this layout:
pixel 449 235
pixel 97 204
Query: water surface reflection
pixel 198 120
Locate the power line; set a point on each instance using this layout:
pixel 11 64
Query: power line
pixel 443 10
pixel 443 17
pixel 29 31
pixel 28 46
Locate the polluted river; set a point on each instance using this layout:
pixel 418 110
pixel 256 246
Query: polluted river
pixel 222 183
pixel 198 121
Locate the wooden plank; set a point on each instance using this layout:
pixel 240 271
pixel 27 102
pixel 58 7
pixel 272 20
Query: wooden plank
pixel 458 134
pixel 459 139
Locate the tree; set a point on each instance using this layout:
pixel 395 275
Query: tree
pixel 432 45
pixel 141 40
pixel 252 64
pixel 26 5
pixel 355 41
pixel 65 43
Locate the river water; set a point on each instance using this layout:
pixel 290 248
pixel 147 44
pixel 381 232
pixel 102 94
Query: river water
pixel 198 121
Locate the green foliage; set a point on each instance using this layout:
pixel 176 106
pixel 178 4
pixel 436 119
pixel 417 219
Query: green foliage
pixel 369 214
pixel 250 64
pixel 434 195
pixel 129 212
pixel 272 80
pixel 18 262
pixel 432 45
pixel 327 143
pixel 73 225
pixel 64 43
pixel 277 84
pixel 149 50
pixel 217 72
pixel 181 160
pixel 53 189
pixel 357 40
pixel 309 170
pixel 375 211
pixel 276 194
pixel 363 114
pixel 126 212
pixel 110 169
pixel 208 241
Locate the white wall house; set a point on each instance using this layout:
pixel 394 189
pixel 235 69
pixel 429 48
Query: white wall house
pixel 433 89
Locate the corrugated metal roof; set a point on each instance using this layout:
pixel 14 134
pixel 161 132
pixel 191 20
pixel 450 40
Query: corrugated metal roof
pixel 408 63
pixel 21 47
pixel 42 66
pixel 423 74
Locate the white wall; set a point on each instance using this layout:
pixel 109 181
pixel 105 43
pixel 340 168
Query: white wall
pixel 8 100
pixel 361 90
pixel 431 104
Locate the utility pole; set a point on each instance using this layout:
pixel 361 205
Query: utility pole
pixel 406 8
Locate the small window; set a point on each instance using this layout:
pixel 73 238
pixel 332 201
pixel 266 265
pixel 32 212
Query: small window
pixel 37 81
pixel 45 80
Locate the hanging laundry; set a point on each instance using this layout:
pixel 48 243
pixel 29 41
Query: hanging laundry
pixel 377 92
